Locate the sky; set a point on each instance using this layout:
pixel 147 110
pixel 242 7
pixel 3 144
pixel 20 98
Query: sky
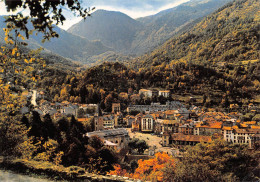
pixel 133 8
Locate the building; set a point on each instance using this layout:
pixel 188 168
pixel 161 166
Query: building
pixel 240 136
pixel 98 123
pixel 120 137
pixel 136 125
pixel 255 138
pixel 119 120
pixel 147 123
pixel 181 139
pixel 164 93
pixel 129 120
pixel 69 110
pixel 146 93
pixel 186 129
pixel 163 125
pixel 205 128
pixel 108 122
pixel 115 108
pixel 154 107
pixel 89 108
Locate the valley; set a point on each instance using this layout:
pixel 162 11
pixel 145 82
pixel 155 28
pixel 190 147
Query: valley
pixel 174 96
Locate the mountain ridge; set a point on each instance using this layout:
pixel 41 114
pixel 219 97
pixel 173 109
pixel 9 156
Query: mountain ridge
pixel 229 34
pixel 143 34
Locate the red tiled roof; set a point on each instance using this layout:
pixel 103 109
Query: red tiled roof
pixel 190 138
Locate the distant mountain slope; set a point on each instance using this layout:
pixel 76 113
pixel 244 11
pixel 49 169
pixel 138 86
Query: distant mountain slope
pixel 130 36
pixel 230 34
pixel 67 45
pixel 162 26
pixel 114 29
pixel 110 35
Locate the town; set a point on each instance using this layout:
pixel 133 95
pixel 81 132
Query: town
pixel 172 122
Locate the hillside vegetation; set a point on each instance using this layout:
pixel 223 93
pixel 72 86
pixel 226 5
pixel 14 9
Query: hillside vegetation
pixel 230 34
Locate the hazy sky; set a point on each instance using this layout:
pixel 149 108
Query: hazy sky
pixel 133 8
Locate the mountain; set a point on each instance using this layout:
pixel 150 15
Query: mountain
pixel 160 27
pixel 114 29
pixel 67 45
pixel 109 35
pixel 130 36
pixel 230 34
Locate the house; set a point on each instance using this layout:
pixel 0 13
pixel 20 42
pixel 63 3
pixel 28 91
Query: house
pixel 108 121
pixel 136 125
pixel 155 107
pixel 186 129
pixel 164 93
pixel 123 95
pixel 146 93
pixel 119 120
pixel 129 119
pixel 89 108
pixel 115 108
pixel 207 128
pixel 98 123
pixel 227 133
pixel 120 137
pixel 181 139
pixel 163 125
pixel 255 138
pixel 240 136
pixel 147 123
pixel 69 110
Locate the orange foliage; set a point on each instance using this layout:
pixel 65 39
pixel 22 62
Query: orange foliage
pixel 152 169
pixel 118 171
pixel 148 170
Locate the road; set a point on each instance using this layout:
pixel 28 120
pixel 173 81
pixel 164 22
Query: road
pixel 34 96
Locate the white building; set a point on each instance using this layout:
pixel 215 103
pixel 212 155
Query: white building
pixel 164 93
pixel 147 123
pixel 239 136
pixel 146 93
pixel 154 107
pixel 69 110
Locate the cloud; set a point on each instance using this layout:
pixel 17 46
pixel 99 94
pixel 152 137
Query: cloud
pixel 3 10
pixel 145 9
pixel 133 8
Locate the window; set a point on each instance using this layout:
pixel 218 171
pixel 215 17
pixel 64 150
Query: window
pixel 149 124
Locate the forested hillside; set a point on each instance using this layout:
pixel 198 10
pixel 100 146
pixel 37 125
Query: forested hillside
pixel 114 36
pixel 218 59
pixel 230 34
pixel 160 27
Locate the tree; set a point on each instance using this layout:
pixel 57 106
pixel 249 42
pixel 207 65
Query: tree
pixel 43 14
pixel 50 129
pixel 96 142
pixel 139 145
pixel 216 161
pixel 153 169
pixel 37 128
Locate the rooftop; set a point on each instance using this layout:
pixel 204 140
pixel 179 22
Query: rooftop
pixel 191 138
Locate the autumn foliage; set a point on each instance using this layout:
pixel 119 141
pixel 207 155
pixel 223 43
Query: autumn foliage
pixel 148 170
